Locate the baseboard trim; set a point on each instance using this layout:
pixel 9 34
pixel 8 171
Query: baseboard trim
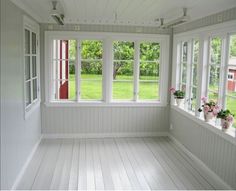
pixel 23 169
pixel 104 135
pixel 218 182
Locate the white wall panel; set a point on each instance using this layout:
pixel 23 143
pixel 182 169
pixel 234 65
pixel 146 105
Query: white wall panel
pixel 18 136
pixel 103 120
pixel 215 151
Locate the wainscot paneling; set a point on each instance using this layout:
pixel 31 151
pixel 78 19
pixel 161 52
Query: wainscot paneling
pixel 212 149
pixel 104 120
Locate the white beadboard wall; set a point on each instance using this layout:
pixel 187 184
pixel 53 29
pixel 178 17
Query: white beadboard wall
pixel 18 135
pixel 215 151
pixel 104 120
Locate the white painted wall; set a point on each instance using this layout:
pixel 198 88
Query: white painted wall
pixel 104 120
pixel 18 136
pixel 215 151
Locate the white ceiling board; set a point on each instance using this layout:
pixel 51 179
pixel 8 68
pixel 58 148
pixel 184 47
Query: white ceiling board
pixel 129 12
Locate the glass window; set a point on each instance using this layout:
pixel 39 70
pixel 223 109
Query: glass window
pixel 31 76
pixel 231 81
pixel 123 64
pixel 91 70
pixel 193 79
pixel 183 66
pixel 149 71
pixel 214 68
pixel 64 69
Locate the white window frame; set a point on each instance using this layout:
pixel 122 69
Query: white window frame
pixel 204 34
pixel 32 26
pixel 231 74
pixel 107 39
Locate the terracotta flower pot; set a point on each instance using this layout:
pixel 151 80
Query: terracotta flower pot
pixel 225 125
pixel 179 101
pixel 208 116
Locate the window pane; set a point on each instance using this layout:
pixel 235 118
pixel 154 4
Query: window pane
pixel 27 41
pixel 148 81
pixel 123 53
pixel 122 90
pixel 233 48
pixel 123 76
pixel 184 73
pixel 91 80
pixel 194 74
pixel 123 50
pixel 148 90
pixel 214 79
pixel 91 49
pixel 149 71
pixel 28 93
pixel 27 67
pixel 215 50
pixel 213 96
pixel 149 51
pixel 184 51
pixel 192 101
pixel 231 105
pixel 231 81
pixel 34 66
pixel 33 43
pixel 72 81
pixel 35 89
pixel 195 51
pixel 64 57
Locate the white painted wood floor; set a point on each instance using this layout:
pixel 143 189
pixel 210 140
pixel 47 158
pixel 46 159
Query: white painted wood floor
pixel 112 163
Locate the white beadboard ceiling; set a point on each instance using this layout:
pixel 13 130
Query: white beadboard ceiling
pixel 129 12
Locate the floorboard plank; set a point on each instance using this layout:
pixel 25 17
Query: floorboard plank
pixel 27 180
pixel 133 168
pixel 106 170
pixel 164 163
pixel 98 176
pixel 82 179
pixel 73 182
pixel 159 174
pixel 45 174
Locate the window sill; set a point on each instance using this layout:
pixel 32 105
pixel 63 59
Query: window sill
pixel 104 104
pixel 230 135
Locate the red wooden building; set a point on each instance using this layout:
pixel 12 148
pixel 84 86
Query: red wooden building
pixel 232 75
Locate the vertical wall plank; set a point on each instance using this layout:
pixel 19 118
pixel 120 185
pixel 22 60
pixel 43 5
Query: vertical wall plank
pixel 215 151
pixel 69 120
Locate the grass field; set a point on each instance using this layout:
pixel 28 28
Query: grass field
pixel 91 88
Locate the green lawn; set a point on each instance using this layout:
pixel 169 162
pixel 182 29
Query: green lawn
pixel 92 90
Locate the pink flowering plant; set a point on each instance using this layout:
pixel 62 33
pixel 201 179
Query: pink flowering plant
pixel 177 93
pixel 209 106
pixel 226 115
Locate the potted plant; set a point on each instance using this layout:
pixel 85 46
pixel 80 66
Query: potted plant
pixel 227 119
pixel 179 95
pixel 210 109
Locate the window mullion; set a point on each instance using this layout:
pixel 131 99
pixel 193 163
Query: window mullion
pixel 136 69
pixel 107 70
pixel 78 72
